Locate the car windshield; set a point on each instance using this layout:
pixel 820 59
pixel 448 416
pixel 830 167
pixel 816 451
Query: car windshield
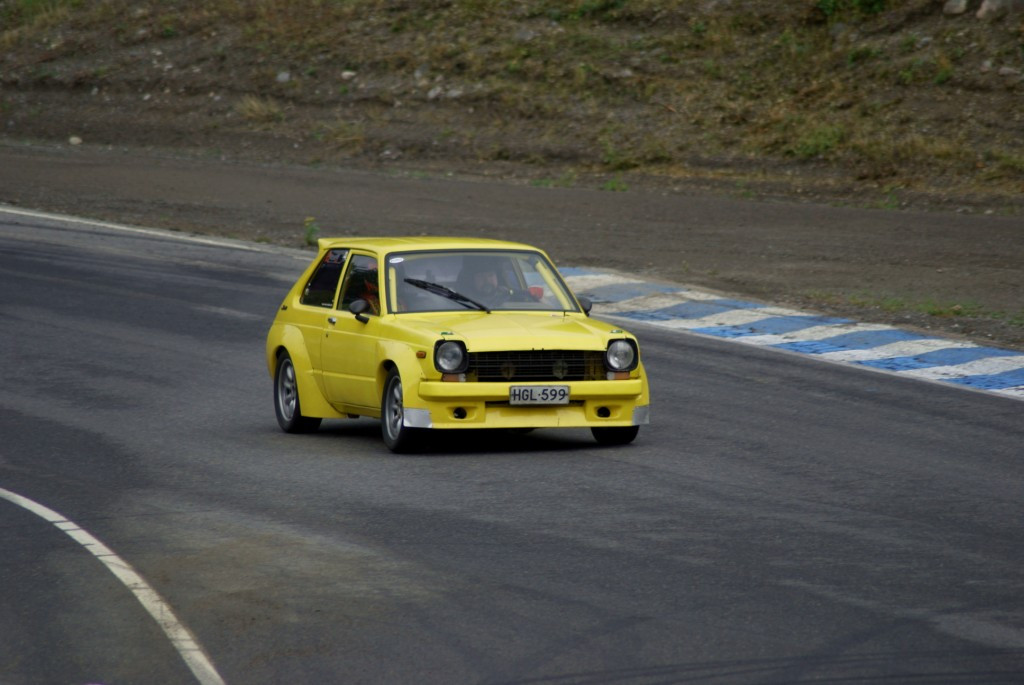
pixel 460 280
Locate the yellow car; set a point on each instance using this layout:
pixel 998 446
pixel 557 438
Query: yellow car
pixel 439 333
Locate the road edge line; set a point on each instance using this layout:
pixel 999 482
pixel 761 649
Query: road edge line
pixel 154 232
pixel 183 641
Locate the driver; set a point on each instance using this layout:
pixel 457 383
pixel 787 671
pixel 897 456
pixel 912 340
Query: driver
pixel 485 283
pixel 480 281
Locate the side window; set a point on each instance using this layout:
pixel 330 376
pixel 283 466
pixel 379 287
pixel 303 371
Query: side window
pixel 319 291
pixel 361 283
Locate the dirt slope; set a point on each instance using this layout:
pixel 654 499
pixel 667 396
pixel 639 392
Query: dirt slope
pixel 891 103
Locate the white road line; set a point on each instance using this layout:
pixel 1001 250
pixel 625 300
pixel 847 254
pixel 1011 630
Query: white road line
pixel 229 313
pixel 815 333
pixel 731 317
pixel 981 367
pixel 579 283
pixel 908 348
pixel 156 233
pixel 197 661
pixel 648 303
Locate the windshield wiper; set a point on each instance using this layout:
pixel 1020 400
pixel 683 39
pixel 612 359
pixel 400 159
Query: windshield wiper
pixel 445 291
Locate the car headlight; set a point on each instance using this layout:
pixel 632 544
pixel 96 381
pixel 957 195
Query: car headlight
pixel 450 356
pixel 621 355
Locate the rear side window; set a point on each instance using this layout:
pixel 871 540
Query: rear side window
pixel 319 291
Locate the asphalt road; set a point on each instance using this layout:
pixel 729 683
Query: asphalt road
pixel 782 520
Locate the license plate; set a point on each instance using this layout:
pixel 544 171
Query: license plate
pixel 538 394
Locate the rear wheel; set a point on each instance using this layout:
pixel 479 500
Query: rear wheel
pixel 397 436
pixel 615 436
pixel 286 399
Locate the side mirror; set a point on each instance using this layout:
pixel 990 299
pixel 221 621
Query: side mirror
pixel 586 304
pixel 358 307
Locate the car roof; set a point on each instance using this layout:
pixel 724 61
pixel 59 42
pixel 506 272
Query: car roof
pixel 390 244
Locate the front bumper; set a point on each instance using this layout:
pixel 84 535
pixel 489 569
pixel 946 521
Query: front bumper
pixel 485 405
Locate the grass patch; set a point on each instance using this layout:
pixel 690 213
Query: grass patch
pixel 819 141
pixel 259 110
pixel 971 313
pixel 881 154
pixel 1002 164
pixel 932 308
pixel 835 9
pixel 21 19
pixel 617 158
pixel 615 185
pixel 20 12
pixel 343 135
pixel 310 230
pixel 566 180
pixel 863 53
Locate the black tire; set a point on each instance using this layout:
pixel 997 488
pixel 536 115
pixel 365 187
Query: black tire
pixel 615 436
pixel 286 399
pixel 397 436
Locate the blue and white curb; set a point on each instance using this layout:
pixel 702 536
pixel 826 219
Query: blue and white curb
pixel 844 341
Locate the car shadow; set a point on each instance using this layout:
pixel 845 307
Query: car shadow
pixel 476 442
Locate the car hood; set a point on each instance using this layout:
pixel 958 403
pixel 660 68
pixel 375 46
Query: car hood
pixel 496 331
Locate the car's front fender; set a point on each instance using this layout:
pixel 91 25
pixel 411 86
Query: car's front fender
pixel 411 368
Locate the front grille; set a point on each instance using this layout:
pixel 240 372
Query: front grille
pixel 536 365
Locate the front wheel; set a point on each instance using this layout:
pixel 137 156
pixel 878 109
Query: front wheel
pixel 286 399
pixel 397 436
pixel 615 436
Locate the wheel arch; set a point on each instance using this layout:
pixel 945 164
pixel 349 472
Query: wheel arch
pixel 311 397
pixel 400 356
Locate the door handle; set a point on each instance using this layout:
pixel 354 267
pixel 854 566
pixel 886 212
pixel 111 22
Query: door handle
pixel 331 320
